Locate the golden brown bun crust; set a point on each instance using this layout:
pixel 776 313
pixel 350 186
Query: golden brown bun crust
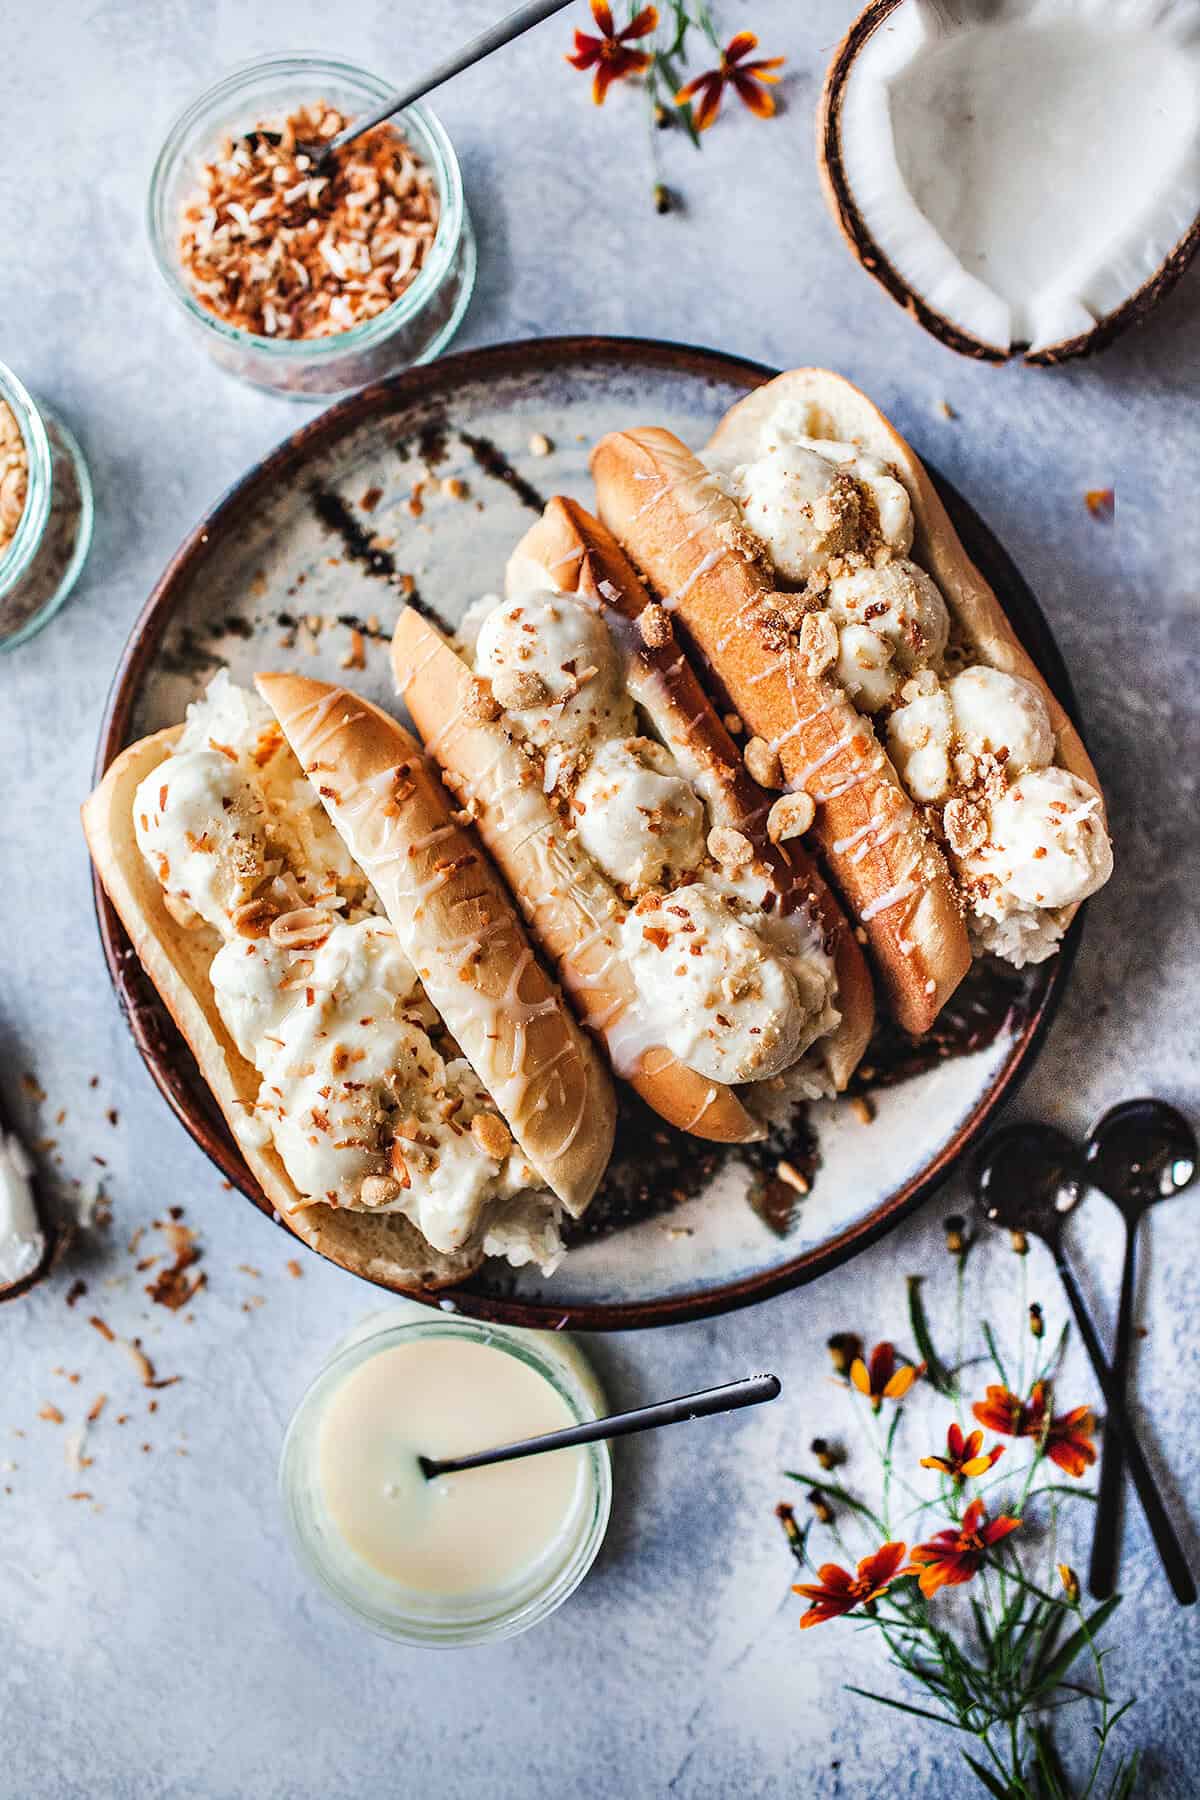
pixel 688 539
pixel 568 904
pixel 574 550
pixel 384 1247
pixel 457 927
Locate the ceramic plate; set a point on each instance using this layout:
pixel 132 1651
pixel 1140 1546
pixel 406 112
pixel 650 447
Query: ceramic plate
pixel 423 484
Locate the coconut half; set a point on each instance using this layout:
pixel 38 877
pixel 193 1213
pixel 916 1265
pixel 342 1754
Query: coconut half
pixel 1021 175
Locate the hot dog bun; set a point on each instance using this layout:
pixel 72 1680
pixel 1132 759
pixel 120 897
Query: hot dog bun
pixel 573 550
pixel 689 540
pixel 556 1098
pixel 570 905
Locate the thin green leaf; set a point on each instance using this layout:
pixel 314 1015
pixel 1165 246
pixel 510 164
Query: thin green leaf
pixel 936 1372
pixel 995 1354
pixel 1049 1765
pixel 990 1781
pixel 1050 1676
pixel 1123 1781
pixel 902 1706
pixel 835 1492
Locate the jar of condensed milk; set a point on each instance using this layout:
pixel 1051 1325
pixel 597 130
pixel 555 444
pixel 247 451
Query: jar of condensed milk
pixel 461 1559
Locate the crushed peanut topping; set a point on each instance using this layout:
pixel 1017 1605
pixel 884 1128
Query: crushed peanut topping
pixel 790 817
pixel 269 246
pixel 763 764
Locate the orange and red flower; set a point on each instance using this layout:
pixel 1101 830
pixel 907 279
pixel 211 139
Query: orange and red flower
pixel 745 78
pixel 963 1457
pixel 611 54
pixel 837 1591
pixel 883 1380
pixel 1066 1438
pixel 957 1555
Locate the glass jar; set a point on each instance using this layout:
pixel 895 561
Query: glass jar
pixel 41 562
pixel 413 330
pixel 436 1621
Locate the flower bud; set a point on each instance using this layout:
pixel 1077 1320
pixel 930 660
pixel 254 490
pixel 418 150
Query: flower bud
pixel 662 198
pixel 844 1347
pixel 821 1507
pixel 1020 1244
pixel 1037 1323
pixel 827 1455
pixel 1070 1581
pixel 955 1228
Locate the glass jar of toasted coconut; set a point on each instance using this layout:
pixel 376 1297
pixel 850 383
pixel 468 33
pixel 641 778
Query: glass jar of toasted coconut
pixel 458 1560
pixel 45 512
pixel 311 282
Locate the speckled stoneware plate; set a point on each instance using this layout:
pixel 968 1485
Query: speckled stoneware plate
pixel 424 483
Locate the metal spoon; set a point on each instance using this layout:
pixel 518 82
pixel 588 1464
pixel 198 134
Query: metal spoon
pixel 511 26
pixel 735 1394
pixel 1028 1178
pixel 1140 1152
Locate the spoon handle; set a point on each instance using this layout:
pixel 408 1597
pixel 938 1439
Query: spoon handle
pixel 735 1394
pixel 1161 1530
pixel 1102 1573
pixel 503 32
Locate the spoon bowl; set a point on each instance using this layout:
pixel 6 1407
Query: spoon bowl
pixel 1028 1177
pixel 1141 1151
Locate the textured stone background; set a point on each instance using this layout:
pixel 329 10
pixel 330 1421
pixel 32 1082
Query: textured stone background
pixel 165 1644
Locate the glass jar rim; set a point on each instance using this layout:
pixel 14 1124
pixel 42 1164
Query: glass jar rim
pixel 16 558
pixel 508 1619
pixel 435 145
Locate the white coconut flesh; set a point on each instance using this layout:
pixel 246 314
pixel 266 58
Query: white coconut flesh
pixel 1026 166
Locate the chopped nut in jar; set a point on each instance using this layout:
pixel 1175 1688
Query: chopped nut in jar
pixel 274 249
pixel 14 476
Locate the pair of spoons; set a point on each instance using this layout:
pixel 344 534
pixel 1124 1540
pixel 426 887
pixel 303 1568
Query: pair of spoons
pixel 1028 1178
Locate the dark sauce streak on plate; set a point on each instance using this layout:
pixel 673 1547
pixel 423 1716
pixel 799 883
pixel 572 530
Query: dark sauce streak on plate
pixel 493 462
pixel 655 1168
pixel 360 546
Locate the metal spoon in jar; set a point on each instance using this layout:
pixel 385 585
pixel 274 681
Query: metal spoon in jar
pixel 1142 1151
pixel 1027 1178
pixel 494 38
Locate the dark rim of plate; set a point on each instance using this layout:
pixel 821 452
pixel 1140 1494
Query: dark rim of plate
pixel 167 1057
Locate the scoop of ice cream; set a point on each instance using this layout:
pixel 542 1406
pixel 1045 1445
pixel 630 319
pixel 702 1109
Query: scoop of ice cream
pixel 637 816
pixel 1047 845
pixel 865 667
pixel 892 504
pixel 919 738
pixel 1002 715
pixel 201 825
pixel 555 669
pixel 900 603
pixel 803 508
pixel 728 1006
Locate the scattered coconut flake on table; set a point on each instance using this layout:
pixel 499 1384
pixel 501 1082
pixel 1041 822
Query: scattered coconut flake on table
pixel 22 1240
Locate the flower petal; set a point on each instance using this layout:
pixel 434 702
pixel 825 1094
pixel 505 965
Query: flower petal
pixel 971 1518
pixel 763 70
pixel 586 52
pixel 602 13
pixel 954 1440
pixel 902 1380
pixel 937 1462
pixel 858 1375
pixel 740 45
pixel 883 1366
pixel 1000 1528
pixel 640 26
pixel 880 1568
